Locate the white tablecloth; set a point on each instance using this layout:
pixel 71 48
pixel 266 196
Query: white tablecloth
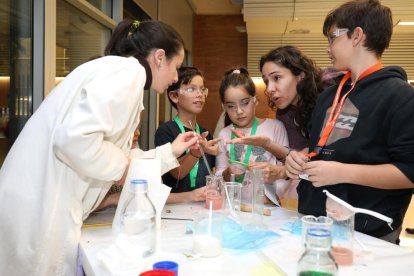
pixel 383 258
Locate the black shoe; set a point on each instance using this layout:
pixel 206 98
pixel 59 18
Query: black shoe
pixel 409 230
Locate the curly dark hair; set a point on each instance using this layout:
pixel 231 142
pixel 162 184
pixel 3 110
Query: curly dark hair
pixel 308 88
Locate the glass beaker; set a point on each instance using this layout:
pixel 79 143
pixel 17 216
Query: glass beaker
pixel 310 221
pixel 214 189
pixel 343 239
pixel 343 219
pixel 207 234
pixel 343 215
pixel 258 195
pixel 232 192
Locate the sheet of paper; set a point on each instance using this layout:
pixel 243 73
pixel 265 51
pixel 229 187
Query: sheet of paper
pixel 149 169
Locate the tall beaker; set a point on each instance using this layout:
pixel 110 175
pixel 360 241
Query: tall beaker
pixel 258 196
pixel 343 238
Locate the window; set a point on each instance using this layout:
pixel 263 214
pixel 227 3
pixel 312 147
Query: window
pixel 16 75
pixel 103 5
pixel 79 37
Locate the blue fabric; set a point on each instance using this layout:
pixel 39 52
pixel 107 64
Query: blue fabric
pixel 294 227
pixel 245 237
pixel 242 238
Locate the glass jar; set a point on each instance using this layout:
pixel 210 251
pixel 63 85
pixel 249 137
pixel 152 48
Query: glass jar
pixel 317 259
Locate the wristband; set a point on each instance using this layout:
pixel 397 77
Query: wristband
pixel 115 189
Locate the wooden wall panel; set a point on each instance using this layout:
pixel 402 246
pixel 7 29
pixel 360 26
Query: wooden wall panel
pixel 4 91
pixel 217 47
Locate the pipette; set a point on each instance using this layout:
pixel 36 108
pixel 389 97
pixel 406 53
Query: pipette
pixel 201 151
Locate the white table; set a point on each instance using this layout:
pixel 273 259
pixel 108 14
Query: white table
pixel 383 259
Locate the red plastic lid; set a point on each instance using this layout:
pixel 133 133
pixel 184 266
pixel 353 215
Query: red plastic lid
pixel 157 272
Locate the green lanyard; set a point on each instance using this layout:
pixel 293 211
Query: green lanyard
pixel 194 170
pixel 248 149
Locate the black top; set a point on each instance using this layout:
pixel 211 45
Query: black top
pixel 167 132
pixel 376 126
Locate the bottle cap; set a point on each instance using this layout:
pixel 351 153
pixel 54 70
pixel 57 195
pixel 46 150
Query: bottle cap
pixel 138 181
pixel 157 272
pixel 167 265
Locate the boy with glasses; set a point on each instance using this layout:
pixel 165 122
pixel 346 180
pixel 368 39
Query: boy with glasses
pixel 187 96
pixel 362 132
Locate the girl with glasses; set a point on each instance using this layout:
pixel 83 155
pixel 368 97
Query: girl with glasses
pixel 187 96
pixel 238 96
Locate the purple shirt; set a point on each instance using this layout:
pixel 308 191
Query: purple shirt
pixel 287 116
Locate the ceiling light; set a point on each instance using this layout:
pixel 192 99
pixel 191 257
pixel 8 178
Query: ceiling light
pixel 257 80
pixel 406 23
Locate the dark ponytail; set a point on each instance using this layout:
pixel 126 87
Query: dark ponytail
pixel 134 38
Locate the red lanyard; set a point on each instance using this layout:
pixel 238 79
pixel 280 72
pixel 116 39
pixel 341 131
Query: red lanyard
pixel 336 110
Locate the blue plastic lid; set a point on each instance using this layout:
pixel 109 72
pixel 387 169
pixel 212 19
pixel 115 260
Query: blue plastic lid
pixel 138 181
pixel 167 265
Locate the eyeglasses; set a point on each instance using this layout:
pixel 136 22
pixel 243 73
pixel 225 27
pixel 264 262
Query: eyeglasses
pixel 243 104
pixel 335 34
pixel 193 90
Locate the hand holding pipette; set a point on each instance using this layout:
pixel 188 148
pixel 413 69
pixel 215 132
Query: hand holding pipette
pixel 201 150
pixel 183 142
pixel 210 146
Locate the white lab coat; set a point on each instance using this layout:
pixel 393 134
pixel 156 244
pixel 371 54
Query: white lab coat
pixel 63 163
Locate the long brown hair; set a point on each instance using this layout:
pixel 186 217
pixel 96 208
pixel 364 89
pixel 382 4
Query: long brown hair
pixel 308 88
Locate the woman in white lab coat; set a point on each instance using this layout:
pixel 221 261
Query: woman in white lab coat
pixel 76 145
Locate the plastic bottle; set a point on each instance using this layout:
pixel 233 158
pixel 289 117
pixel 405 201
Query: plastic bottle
pixel 317 259
pixel 138 218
